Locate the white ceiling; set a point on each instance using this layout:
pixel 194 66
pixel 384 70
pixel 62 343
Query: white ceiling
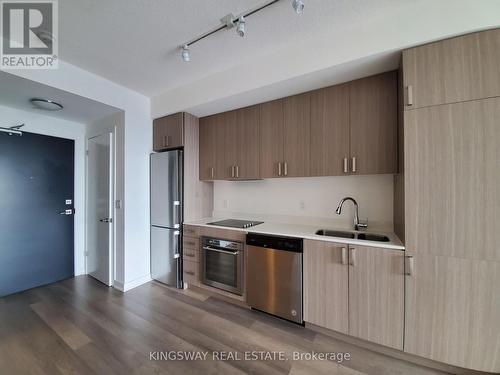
pixel 16 92
pixel 135 43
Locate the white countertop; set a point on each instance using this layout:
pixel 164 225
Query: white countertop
pixel 305 231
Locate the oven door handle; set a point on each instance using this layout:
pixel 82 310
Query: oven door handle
pixel 220 251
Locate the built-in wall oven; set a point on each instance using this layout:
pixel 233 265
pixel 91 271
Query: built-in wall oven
pixel 222 264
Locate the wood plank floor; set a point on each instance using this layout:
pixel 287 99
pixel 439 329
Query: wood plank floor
pixel 79 326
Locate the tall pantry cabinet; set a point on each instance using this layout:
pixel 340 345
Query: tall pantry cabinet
pixel 452 200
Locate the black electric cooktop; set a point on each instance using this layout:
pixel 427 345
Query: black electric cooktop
pixel 233 223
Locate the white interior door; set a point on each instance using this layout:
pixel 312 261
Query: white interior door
pixel 100 208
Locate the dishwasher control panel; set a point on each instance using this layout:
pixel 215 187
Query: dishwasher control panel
pixel 275 242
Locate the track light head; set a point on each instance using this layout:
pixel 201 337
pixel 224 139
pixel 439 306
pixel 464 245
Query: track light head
pixel 186 56
pixel 240 29
pixel 298 6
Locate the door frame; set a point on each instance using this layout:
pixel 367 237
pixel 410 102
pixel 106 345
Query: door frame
pixel 112 173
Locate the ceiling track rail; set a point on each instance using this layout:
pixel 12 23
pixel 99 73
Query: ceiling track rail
pixel 226 26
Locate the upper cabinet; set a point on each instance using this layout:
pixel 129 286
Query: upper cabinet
pixel 373 124
pixel 297 135
pixel 284 137
pixel 168 132
pixel 346 129
pixel 330 131
pixel 208 147
pixel 271 139
pixel 453 70
pixel 229 145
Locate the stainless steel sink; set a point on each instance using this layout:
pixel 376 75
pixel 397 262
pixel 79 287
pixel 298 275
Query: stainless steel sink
pixel 335 233
pixel 372 237
pixel 360 236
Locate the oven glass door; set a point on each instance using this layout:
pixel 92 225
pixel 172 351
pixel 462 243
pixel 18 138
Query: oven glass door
pixel 222 269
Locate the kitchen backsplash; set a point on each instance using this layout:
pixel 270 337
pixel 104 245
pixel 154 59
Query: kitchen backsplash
pixel 310 200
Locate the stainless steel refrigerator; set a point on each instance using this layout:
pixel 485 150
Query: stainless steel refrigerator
pixel 166 217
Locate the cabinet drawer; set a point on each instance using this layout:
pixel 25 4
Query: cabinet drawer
pixel 191 255
pixel 191 272
pixel 191 231
pixel 191 243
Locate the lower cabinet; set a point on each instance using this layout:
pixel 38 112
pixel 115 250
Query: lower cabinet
pixel 376 295
pixel 453 311
pixel 325 285
pixel 356 290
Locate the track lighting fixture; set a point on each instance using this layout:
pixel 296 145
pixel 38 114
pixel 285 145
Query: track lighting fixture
pixel 298 6
pixel 229 21
pixel 240 29
pixel 186 56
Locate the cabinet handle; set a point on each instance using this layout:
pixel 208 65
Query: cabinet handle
pixel 232 171
pixel 286 168
pixel 409 90
pixel 279 168
pixel 191 255
pixel 212 172
pixel 409 266
pixel 189 273
pixel 344 255
pixel 352 257
pixel 354 164
pixel 164 141
pixel 237 171
pixel 346 166
pixel 189 243
pixel 168 140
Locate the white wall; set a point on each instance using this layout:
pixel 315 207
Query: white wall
pixel 134 143
pixel 308 200
pixel 46 125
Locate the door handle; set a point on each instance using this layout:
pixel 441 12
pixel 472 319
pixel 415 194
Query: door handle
pixel 409 99
pixel 177 205
pixel 344 255
pixel 237 172
pixel 279 168
pixel 106 220
pixel 232 171
pixel 212 172
pixel 409 265
pixel 346 166
pixel 69 211
pixel 286 168
pixel 352 257
pixel 220 251
pixel 354 164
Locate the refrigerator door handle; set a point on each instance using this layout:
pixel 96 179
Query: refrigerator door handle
pixel 177 206
pixel 177 253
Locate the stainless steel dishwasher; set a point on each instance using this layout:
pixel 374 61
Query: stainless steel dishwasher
pixel 274 275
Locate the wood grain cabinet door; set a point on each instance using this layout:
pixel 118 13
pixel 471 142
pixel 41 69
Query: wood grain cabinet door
pixel 227 149
pixel 453 311
pixel 376 295
pixel 248 142
pixel 208 145
pixel 297 135
pixel 452 180
pixel 330 131
pixel 452 70
pixel 326 285
pixel 168 132
pixel 373 121
pixel 271 139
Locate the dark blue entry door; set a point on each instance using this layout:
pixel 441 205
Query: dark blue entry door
pixel 36 233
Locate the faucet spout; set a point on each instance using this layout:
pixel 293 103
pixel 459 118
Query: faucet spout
pixel 357 224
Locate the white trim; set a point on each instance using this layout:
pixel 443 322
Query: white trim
pixel 132 284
